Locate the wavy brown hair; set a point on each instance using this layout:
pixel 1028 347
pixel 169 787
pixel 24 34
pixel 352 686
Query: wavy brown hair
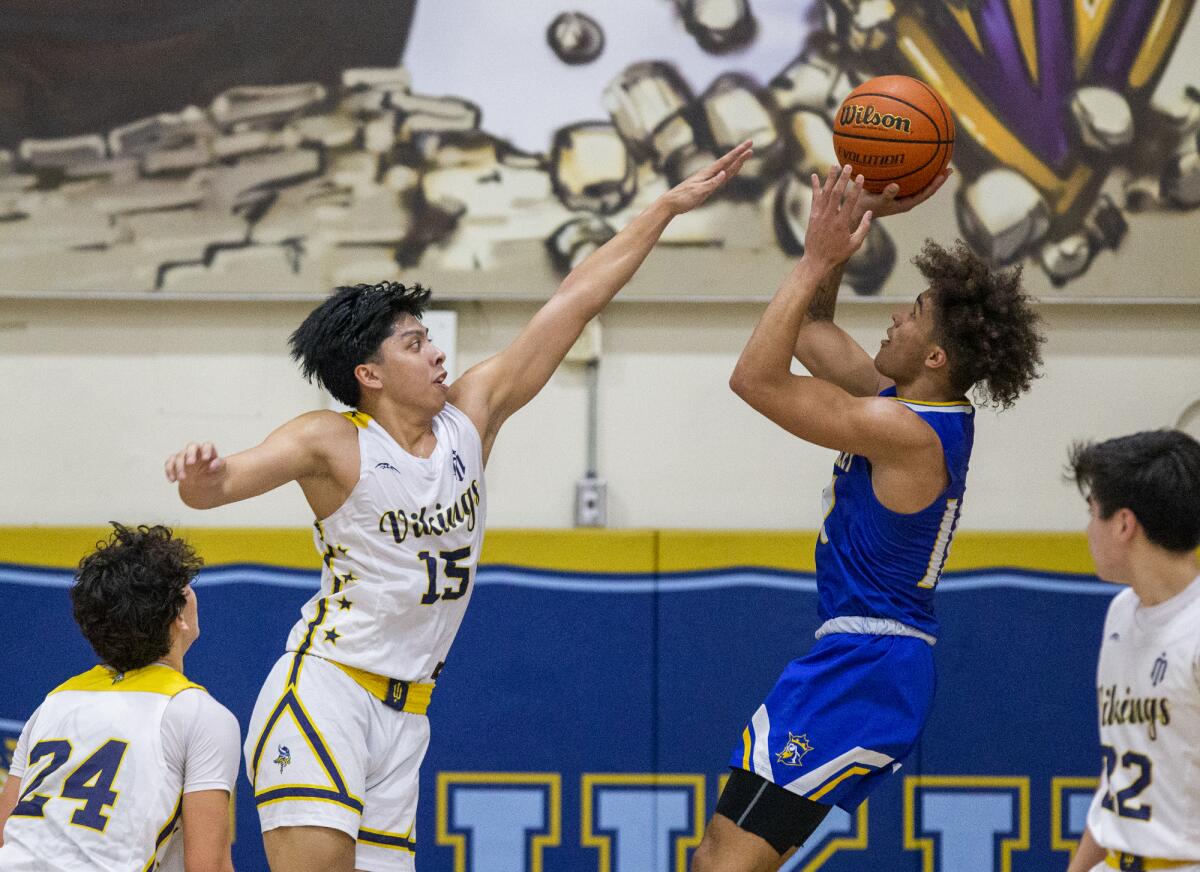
pixel 986 323
pixel 129 591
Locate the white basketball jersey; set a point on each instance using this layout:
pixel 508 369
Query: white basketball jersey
pixel 96 794
pixel 1148 684
pixel 400 554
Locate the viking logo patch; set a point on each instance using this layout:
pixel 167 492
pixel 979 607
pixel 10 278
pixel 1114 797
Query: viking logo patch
pixel 795 749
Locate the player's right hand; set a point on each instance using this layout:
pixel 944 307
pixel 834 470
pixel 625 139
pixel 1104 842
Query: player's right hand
pixel 198 457
pixel 830 237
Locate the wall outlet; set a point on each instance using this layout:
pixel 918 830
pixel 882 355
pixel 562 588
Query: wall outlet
pixel 591 502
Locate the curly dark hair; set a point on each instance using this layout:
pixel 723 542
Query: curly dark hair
pixel 129 591
pixel 986 323
pixel 1155 474
pixel 348 328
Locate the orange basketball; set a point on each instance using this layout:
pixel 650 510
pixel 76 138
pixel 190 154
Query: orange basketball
pixel 894 129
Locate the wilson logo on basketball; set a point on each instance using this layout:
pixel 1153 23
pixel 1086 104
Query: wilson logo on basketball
pixel 866 116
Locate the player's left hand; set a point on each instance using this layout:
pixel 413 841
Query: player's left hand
pixel 698 187
pixel 832 234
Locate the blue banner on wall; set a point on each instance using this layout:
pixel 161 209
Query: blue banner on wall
pixel 583 721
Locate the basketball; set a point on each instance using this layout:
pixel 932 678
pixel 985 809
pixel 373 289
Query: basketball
pixel 894 129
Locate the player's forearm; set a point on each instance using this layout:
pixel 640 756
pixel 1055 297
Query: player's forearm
pixel 767 357
pixel 206 493
pixel 818 318
pixel 824 299
pixel 592 284
pixel 1087 855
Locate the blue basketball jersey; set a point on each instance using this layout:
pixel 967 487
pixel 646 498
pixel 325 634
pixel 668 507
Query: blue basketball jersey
pixel 874 562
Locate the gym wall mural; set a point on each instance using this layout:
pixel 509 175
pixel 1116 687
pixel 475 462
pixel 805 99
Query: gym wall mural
pixel 278 149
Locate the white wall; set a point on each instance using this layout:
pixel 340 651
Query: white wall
pixel 95 395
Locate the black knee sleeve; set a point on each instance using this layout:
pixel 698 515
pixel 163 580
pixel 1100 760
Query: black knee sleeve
pixel 770 812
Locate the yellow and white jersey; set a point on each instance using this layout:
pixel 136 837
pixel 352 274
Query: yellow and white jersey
pixel 1148 687
pixel 399 555
pixel 104 763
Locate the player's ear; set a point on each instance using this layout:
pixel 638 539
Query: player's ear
pixel 368 375
pixel 1126 524
pixel 935 357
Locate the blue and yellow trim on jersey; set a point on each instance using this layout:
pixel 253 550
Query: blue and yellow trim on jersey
pixel 395 841
pixel 165 833
pixel 954 407
pixel 335 792
pixel 404 696
pixel 1119 860
pixel 155 678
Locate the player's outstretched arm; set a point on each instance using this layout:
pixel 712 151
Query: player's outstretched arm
pixel 297 451
pixel 816 410
pixel 825 349
pixel 497 387
pixel 206 840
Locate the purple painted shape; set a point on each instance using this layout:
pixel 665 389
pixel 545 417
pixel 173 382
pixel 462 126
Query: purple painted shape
pixel 1038 113
pixel 1117 48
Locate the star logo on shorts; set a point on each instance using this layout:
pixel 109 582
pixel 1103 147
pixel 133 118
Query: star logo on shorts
pixel 284 758
pixel 795 749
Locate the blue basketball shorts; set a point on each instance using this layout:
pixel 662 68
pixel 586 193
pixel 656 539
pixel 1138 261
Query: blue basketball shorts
pixel 841 718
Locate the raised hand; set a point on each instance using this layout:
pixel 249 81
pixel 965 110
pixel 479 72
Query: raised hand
pixel 698 187
pixel 886 203
pixel 199 458
pixel 833 233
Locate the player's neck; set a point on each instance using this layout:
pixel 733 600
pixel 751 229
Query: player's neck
pixel 174 659
pixel 1157 575
pixel 923 390
pixel 413 431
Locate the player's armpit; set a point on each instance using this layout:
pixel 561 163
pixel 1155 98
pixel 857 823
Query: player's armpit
pixel 489 392
pixel 206 838
pixel 8 801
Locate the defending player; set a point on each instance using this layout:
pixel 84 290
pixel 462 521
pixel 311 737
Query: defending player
pixel 339 731
pixel 840 718
pixel 115 759
pixel 1143 494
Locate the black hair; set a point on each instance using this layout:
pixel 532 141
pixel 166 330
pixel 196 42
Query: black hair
pixel 129 591
pixel 347 329
pixel 985 323
pixel 1155 474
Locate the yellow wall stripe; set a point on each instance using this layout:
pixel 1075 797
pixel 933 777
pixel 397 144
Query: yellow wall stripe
pixel 618 551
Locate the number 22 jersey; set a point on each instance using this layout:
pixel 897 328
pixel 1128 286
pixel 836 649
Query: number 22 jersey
pixel 1148 691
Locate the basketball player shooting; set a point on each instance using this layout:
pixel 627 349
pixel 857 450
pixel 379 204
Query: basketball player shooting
pixel 842 717
pixel 339 730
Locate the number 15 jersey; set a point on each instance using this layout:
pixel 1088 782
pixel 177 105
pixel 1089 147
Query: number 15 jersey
pixel 399 555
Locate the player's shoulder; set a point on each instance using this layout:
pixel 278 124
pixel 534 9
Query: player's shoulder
pixel 326 424
pixel 1122 606
pixel 196 709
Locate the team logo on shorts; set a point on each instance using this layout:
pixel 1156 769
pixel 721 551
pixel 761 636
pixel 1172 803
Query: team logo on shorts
pixel 284 758
pixel 795 749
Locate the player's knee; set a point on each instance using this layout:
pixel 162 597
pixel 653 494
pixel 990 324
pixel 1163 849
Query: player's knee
pixel 309 849
pixel 707 857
